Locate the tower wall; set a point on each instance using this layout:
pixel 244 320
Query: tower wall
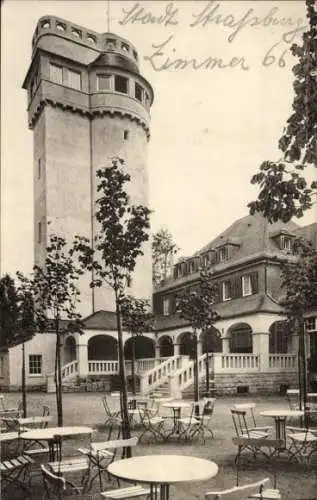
pixel 82 117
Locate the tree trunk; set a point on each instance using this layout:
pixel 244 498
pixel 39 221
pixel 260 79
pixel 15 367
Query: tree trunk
pixel 126 433
pixel 196 381
pixel 23 382
pixel 207 372
pixel 302 369
pixel 58 376
pixel 133 366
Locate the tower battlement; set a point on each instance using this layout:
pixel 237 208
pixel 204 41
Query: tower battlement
pixel 102 42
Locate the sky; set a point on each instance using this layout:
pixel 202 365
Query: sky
pixel 213 121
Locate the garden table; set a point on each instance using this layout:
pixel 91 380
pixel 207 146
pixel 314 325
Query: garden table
pixel 160 471
pixel 49 434
pixel 280 417
pixel 176 407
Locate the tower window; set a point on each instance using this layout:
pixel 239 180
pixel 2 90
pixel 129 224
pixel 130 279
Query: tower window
pixel 56 73
pixel 125 47
pixel 121 84
pixel 135 55
pixel 76 33
pixel 138 91
pixel 126 134
pixel 60 26
pixel 74 79
pixel 46 24
pixel 39 168
pixel 39 232
pixel 91 39
pixel 103 82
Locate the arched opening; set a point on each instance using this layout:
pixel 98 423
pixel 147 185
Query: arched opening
pixel 187 344
pixel 211 340
pixel 279 337
pixel 240 338
pixel 144 347
pixel 102 347
pixel 166 347
pixel 69 350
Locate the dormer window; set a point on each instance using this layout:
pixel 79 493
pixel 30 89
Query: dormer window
pixel 286 243
pixel 223 253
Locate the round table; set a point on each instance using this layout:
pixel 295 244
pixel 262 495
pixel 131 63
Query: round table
pixel 49 434
pixel 163 470
pixel 280 417
pixel 176 407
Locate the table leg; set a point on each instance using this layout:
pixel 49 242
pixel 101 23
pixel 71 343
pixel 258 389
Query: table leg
pixel 280 428
pixel 164 492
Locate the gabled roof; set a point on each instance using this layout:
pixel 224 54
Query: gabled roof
pixel 101 320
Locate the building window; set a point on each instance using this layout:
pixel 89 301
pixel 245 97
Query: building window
pixel 310 324
pixel 126 134
pixel 121 84
pixel 138 92
pixel 103 82
pixel 125 47
pixel 240 339
pixel 35 364
pixel 223 254
pixel 39 232
pixel 246 285
pixel 279 337
pixel 166 307
pixel 226 290
pixel 286 243
pixel 74 79
pixel 56 73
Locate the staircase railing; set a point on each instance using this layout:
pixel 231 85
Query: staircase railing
pixel 159 375
pixel 183 378
pixel 70 369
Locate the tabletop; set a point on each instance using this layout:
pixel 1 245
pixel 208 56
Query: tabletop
pixel 29 420
pixel 8 436
pixel 50 432
pixel 163 469
pixel 177 404
pixel 282 413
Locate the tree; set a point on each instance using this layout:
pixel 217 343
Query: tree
pixel 56 296
pixel 123 228
pixel 299 281
pixel 136 319
pixel 163 251
pixel 196 305
pixel 17 319
pixel 284 191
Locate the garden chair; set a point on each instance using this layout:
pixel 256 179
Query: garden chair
pixel 250 417
pixel 198 422
pixel 303 443
pixel 11 471
pixel 38 448
pixel 293 398
pixel 151 424
pixel 259 489
pixel 101 454
pixel 113 417
pixel 252 440
pixel 57 487
pixel 135 491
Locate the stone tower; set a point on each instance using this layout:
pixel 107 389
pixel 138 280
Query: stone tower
pixel 87 103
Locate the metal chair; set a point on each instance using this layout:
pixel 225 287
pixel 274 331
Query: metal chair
pixel 57 487
pixel 250 416
pixel 151 424
pixel 250 440
pixel 303 443
pixel 113 417
pixel 259 489
pixel 101 454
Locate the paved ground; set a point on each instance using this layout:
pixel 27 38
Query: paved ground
pixel 295 481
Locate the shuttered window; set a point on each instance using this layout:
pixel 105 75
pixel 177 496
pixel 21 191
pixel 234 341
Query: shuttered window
pixel 226 290
pixel 166 307
pixel 246 285
pixel 56 73
pixel 238 286
pixel 74 79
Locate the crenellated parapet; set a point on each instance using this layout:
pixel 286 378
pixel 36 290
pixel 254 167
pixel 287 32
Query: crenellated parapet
pixel 101 42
